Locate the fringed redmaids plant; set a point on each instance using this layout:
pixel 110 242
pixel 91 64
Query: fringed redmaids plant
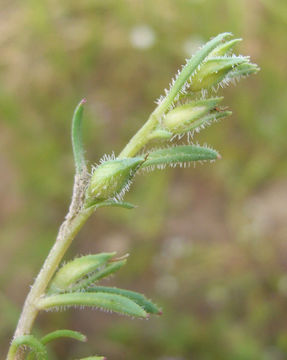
pixel 186 108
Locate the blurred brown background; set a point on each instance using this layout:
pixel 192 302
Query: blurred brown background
pixel 207 244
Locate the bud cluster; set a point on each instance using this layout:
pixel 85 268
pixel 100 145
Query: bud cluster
pixel 186 108
pixel 211 67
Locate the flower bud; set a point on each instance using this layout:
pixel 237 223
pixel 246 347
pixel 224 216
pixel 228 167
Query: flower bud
pixel 112 178
pixel 244 69
pixel 224 48
pixel 69 274
pixel 180 119
pixel 214 71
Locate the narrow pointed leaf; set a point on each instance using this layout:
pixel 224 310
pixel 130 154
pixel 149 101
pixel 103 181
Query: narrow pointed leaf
pixel 103 301
pixel 140 299
pixel 224 48
pixel 30 341
pixel 108 270
pixel 77 142
pixel 180 154
pixel 188 70
pixel 63 333
pixel 69 274
pixel 207 120
pixel 214 71
pixel 182 117
pixel 244 70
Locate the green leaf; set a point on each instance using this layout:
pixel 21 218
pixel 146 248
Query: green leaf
pixel 77 141
pixel 140 299
pixel 179 154
pixel 224 48
pixel 214 70
pixel 56 335
pixel 182 117
pixel 244 70
pixel 69 274
pixel 108 270
pixel 160 134
pixel 207 120
pixel 27 340
pixel 103 301
pixel 107 203
pixel 189 69
pixel 63 333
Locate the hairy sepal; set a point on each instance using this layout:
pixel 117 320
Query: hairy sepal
pixel 160 134
pixel 214 70
pixel 100 300
pixel 243 70
pixel 112 178
pixel 180 119
pixel 110 203
pixel 183 77
pixel 106 271
pixel 205 121
pixel 140 299
pixel 72 272
pixel 224 48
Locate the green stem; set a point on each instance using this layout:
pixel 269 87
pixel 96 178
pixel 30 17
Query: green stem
pixel 139 140
pixel 67 233
pixel 74 220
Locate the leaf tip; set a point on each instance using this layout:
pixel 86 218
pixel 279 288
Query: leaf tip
pixel 120 258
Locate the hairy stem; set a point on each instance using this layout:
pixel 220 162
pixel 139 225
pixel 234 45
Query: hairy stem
pixel 74 221
pixel 67 233
pixel 139 140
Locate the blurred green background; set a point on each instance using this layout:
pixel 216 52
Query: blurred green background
pixel 207 244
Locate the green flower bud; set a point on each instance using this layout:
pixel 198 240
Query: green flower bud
pixel 224 48
pixel 160 134
pixel 214 70
pixel 180 119
pixel 69 274
pixel 112 178
pixel 208 119
pixel 244 69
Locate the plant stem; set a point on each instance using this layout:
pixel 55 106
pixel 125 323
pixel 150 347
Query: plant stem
pixel 74 221
pixel 139 140
pixel 67 233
